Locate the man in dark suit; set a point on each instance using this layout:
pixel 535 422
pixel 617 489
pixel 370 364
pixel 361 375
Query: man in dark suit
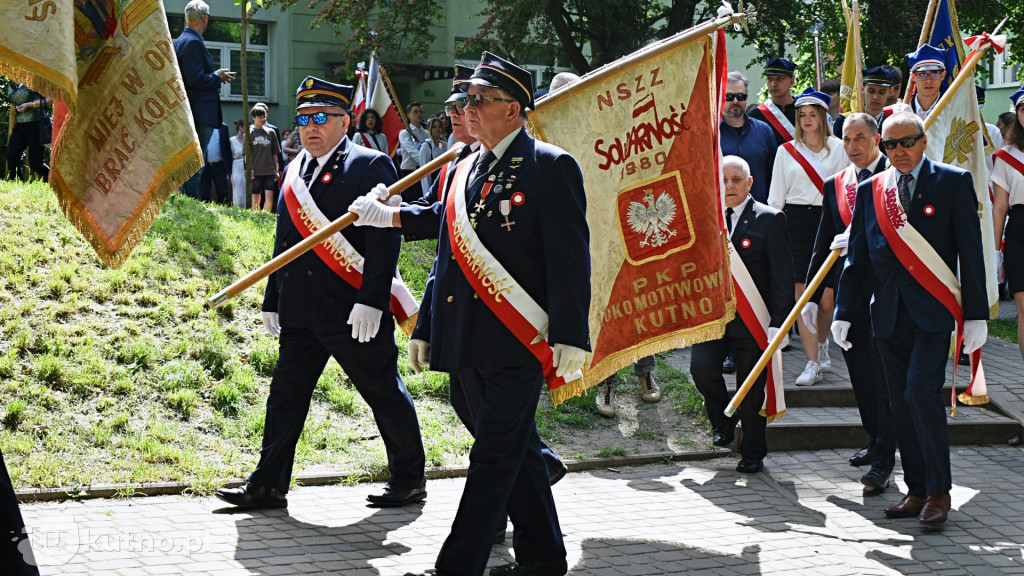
pixel 202 81
pixel 912 311
pixel 758 233
pixel 309 301
pixel 216 174
pixel 861 141
pixel 518 204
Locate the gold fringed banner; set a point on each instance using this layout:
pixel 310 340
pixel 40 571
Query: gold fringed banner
pixel 123 137
pixel 644 133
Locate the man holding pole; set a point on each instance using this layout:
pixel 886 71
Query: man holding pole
pixel 915 224
pixel 516 212
pixel 763 275
pixel 861 141
pixel 349 279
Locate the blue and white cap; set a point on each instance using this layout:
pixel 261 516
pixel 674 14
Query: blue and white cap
pixel 810 96
pixel 927 57
pixel 1017 97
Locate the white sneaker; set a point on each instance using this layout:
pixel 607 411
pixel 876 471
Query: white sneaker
pixel 605 398
pixel 810 375
pixel 824 360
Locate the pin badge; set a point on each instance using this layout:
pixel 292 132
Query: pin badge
pixel 929 210
pixel 327 178
pixel 518 198
pixel 745 242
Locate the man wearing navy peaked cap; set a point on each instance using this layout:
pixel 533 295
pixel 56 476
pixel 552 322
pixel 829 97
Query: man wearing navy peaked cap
pixel 874 90
pixel 517 205
pixel 779 111
pixel 311 302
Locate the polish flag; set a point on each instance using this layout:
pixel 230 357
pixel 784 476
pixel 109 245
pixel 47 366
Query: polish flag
pixel 379 99
pixel 359 100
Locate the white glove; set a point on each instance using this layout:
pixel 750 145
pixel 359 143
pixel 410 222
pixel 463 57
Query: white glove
pixel 772 331
pixel 810 317
pixel 841 241
pixel 999 262
pixel 567 359
pixel 272 323
pixel 840 328
pixel 975 334
pixel 365 322
pixel 725 10
pixel 419 355
pixel 372 212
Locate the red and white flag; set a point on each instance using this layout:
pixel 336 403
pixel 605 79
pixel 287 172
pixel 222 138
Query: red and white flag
pixel 378 98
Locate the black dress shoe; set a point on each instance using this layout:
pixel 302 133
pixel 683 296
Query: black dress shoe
pixel 877 480
pixel 253 497
pixel 392 497
pixel 723 438
pixel 556 474
pixel 863 456
pixel 749 466
pixel 531 569
pixel 729 365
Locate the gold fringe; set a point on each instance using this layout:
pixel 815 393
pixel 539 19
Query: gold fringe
pixel 712 330
pixel 771 419
pixel 993 311
pixel 972 400
pixel 952 411
pixel 47 82
pixel 409 323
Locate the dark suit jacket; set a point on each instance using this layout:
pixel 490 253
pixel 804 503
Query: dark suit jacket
pixel 546 251
pixel 421 219
pixel 202 84
pixel 761 240
pixel 305 291
pixel 831 224
pixel 954 232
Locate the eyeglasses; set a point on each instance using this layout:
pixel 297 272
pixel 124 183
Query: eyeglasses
pixel 458 104
pixel 930 75
pixel 742 97
pixel 908 142
pixel 475 100
pixel 318 118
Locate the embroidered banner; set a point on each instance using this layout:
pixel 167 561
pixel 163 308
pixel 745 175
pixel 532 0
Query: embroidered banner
pixel 645 135
pixel 123 136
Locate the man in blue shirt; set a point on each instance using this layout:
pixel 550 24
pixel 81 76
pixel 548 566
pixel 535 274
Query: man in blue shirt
pixel 746 137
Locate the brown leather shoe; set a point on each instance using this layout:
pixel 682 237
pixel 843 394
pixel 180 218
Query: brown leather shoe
pixel 935 511
pixel 909 507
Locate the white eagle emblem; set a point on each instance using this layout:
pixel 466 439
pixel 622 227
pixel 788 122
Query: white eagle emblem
pixel 653 219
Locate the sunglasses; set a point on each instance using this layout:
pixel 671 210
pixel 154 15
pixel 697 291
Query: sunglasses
pixel 458 104
pixel 475 100
pixel 318 118
pixel 908 142
pixel 742 97
pixel 931 74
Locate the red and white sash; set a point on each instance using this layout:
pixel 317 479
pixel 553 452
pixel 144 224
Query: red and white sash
pixel 777 119
pixel 846 193
pixel 505 297
pixel 926 266
pixel 1012 156
pixel 812 167
pixel 371 143
pixel 337 252
pixel 754 313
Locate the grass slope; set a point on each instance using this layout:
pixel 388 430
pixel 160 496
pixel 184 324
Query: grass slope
pixel 123 376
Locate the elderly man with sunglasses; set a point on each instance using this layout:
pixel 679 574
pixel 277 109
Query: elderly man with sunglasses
pixel 311 303
pixel 747 137
pixel 913 227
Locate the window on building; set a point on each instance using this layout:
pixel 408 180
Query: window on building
pixel 1003 73
pixel 223 39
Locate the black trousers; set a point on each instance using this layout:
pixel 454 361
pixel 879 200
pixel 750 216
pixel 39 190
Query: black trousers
pixel 215 176
pixel 373 369
pixel 15 549
pixel 868 379
pixel 25 136
pixel 706 368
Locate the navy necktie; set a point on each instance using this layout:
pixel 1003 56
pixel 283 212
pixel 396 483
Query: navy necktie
pixel 863 175
pixel 904 187
pixel 481 170
pixel 307 175
pixel 728 219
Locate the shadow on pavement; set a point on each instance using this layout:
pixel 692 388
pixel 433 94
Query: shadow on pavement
pixel 662 558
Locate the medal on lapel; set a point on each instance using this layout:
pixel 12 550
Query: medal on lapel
pixel 505 207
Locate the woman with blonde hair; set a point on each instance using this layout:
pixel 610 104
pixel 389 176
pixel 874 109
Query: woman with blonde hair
pixel 800 170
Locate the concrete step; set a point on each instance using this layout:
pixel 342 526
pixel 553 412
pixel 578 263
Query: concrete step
pixel 813 428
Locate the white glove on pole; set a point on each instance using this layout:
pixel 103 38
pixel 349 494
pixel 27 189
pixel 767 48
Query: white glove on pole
pixel 840 328
pixel 810 317
pixel 725 10
pixel 772 331
pixel 841 241
pixel 272 323
pixel 567 359
pixel 975 334
pixel 419 355
pixel 372 212
pixel 365 322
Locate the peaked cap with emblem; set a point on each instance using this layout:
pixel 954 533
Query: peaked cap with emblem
pixel 497 72
pixel 462 75
pixel 927 57
pixel 316 92
pixel 779 67
pixel 879 75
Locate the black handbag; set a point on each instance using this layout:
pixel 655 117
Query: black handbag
pixel 45 125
